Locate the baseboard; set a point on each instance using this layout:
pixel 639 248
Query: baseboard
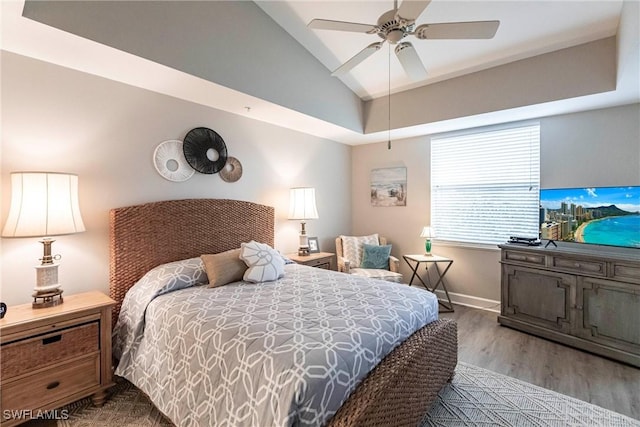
pixel 470 301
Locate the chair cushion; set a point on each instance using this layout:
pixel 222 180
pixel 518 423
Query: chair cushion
pixel 376 273
pixel 352 247
pixel 376 256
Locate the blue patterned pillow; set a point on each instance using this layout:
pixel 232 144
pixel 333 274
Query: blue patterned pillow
pixel 376 256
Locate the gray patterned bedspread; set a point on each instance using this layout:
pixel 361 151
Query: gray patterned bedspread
pixel 279 353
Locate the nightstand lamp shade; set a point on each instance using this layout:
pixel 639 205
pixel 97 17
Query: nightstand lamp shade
pixel 302 206
pixel 427 233
pixel 44 204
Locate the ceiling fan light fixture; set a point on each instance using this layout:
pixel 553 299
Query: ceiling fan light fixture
pixel 395 35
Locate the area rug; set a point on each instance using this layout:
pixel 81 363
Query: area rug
pixel 478 397
pixel 475 397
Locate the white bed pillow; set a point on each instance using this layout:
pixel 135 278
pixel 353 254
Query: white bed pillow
pixel 264 263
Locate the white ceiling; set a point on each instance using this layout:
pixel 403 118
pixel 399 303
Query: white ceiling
pixel 527 28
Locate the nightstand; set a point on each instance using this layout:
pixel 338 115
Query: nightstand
pixel 435 260
pixel 53 356
pixel 324 260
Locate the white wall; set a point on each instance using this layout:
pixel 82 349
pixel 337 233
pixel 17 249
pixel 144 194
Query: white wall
pixel 56 119
pixel 593 148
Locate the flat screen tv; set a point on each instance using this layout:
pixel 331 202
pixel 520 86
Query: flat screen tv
pixel 597 215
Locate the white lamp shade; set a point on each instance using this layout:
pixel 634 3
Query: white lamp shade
pixel 43 204
pixel 302 203
pixel 427 232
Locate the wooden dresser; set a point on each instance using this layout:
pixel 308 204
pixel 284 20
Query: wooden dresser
pixel 586 297
pixel 50 357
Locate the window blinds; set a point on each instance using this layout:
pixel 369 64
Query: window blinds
pixel 485 185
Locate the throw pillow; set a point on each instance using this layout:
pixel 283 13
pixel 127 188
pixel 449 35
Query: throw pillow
pixel 264 263
pixel 376 256
pixel 352 247
pixel 224 267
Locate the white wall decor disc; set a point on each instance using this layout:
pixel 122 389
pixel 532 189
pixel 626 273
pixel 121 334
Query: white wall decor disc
pixel 232 170
pixel 168 158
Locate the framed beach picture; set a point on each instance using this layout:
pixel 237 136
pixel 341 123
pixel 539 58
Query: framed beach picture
pixel 389 187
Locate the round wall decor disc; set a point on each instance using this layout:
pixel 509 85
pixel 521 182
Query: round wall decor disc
pixel 168 158
pixel 205 150
pixel 232 171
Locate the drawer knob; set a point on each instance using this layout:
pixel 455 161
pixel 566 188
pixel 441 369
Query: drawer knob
pixel 53 385
pixel 577 265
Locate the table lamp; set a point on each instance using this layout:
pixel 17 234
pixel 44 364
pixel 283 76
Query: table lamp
pixel 44 204
pixel 302 206
pixel 427 233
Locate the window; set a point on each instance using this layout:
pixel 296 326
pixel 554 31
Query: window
pixel 485 184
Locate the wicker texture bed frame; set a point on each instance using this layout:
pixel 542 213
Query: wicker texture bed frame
pixel 397 392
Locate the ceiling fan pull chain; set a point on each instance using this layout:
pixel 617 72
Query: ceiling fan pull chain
pixel 389 119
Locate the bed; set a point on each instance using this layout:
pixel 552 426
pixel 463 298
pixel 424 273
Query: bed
pixel 397 388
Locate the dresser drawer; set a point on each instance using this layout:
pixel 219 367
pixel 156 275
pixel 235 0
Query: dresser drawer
pixel 39 390
pixel 580 266
pixel 626 272
pixel 22 357
pixel 524 258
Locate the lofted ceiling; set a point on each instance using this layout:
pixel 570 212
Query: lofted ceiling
pixel 527 28
pixel 271 41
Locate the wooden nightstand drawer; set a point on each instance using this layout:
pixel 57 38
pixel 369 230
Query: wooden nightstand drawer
pixel 43 388
pixel 320 263
pixel 324 260
pixel 20 357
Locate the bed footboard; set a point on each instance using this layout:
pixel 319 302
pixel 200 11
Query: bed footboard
pixel 401 388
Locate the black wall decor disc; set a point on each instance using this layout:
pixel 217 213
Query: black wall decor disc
pixel 201 146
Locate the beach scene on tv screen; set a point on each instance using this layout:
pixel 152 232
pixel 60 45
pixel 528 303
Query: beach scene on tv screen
pixel 597 215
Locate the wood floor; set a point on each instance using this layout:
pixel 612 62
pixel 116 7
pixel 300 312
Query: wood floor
pixel 483 342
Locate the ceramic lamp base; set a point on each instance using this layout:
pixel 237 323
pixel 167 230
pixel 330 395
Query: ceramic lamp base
pixel 46 278
pixel 427 247
pixel 48 292
pixel 303 248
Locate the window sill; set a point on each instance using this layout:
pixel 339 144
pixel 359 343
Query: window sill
pixel 467 245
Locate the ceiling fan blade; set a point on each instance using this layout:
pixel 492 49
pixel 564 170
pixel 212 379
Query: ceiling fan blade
pixel 326 24
pixel 458 30
pixel 411 9
pixel 410 61
pixel 357 59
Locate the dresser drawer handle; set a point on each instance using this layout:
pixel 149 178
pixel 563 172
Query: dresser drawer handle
pixel 53 385
pixel 51 340
pixel 577 265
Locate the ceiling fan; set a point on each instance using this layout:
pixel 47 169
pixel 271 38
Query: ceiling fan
pixel 398 23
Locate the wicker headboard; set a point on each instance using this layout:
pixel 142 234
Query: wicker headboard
pixel 145 236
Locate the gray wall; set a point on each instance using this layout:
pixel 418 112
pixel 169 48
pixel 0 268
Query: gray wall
pixel 232 43
pixel 567 73
pixel 593 148
pixel 56 119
